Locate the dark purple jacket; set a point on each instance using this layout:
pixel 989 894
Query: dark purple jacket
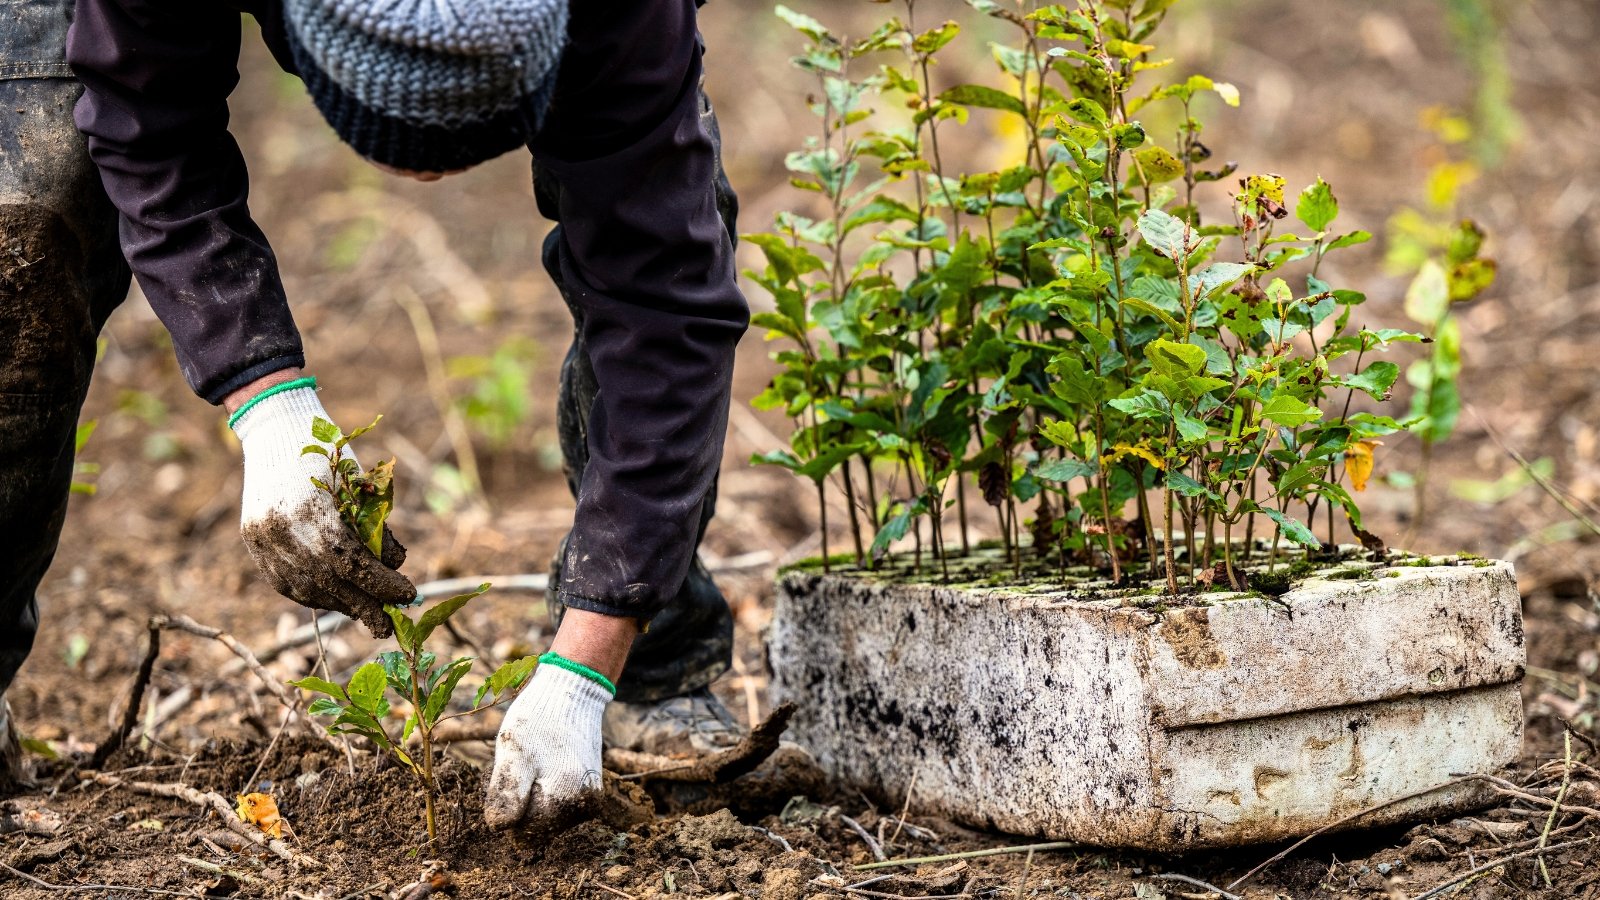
pixel 642 254
pixel 158 75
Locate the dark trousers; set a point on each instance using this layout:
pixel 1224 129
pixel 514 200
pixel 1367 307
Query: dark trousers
pixel 62 273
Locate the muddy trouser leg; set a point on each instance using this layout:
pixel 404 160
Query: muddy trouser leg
pixel 61 274
pixel 690 642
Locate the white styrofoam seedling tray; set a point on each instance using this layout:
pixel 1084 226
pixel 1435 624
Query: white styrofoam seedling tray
pixel 1100 716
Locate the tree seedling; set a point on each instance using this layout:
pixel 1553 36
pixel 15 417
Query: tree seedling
pixel 364 498
pixel 414 673
pixel 417 676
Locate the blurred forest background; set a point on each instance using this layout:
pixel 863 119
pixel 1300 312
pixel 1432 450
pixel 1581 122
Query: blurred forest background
pixel 427 303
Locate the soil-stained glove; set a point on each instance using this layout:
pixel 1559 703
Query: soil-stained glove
pixel 547 757
pixel 292 527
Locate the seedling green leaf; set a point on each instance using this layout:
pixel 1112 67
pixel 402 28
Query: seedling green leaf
pixel 440 695
pixel 1293 528
pixel 440 613
pixel 1289 411
pixel 509 677
pixel 1166 234
pixel 321 686
pixel 324 431
pixel 366 686
pixel 1317 207
pixel 1065 470
pixel 985 97
pixel 1375 380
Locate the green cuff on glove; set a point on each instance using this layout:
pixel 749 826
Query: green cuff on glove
pixel 305 382
pixel 561 662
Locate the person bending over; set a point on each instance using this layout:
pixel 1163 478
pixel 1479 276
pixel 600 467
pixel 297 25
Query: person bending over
pixel 607 97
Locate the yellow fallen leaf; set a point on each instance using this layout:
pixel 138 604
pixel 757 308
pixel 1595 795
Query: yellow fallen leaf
pixel 1358 462
pixel 261 811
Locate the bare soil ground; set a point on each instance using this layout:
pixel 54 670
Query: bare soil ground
pixel 392 281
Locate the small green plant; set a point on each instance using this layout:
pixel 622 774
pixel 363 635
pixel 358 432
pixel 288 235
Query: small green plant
pixel 1444 253
pixel 413 673
pixel 423 683
pixel 364 498
pixel 1068 331
pixel 160 443
pixel 1479 32
pixel 80 468
pixel 498 403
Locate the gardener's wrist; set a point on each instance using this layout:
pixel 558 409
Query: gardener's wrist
pixel 596 641
pixel 243 395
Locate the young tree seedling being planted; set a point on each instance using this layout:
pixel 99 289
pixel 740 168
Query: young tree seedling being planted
pixel 414 673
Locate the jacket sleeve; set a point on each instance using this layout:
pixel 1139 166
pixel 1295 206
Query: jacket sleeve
pixel 157 75
pixel 645 260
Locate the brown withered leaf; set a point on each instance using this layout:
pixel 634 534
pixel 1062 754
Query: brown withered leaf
pixel 993 482
pixel 1043 529
pixel 1370 541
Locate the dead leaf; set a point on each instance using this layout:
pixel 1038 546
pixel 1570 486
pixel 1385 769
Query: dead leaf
pixel 994 483
pixel 1358 462
pixel 261 811
pixel 1371 542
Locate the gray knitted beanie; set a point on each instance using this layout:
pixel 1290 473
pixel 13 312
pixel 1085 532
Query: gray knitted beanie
pixel 429 85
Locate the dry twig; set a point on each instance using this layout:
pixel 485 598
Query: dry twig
pixel 1174 876
pixel 74 888
pixel 215 869
pixel 905 808
pixel 275 687
pixel 272 745
pixel 455 426
pixel 1506 789
pixel 720 767
pixel 859 892
pixel 970 854
pixel 1496 863
pixel 327 673
pixel 871 842
pixel 214 801
pixel 1027 869
pixel 1555 809
pixel 1345 821
pixel 130 715
pixel 613 891
pixel 776 838
pixel 186 624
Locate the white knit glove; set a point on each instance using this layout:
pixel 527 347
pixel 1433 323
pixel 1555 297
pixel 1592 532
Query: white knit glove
pixel 292 527
pixel 547 758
